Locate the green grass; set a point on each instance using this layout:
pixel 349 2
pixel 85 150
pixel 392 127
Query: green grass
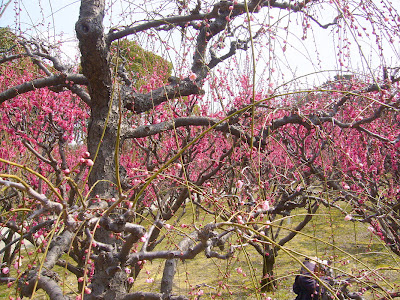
pixel 328 235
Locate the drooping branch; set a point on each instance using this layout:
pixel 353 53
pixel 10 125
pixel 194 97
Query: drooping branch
pixel 11 57
pixel 217 21
pixel 316 119
pixel 3 8
pixel 36 57
pixel 149 100
pixel 334 22
pixel 286 5
pixel 57 64
pixel 115 35
pixel 37 54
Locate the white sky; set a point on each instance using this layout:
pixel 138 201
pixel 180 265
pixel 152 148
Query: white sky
pixel 54 20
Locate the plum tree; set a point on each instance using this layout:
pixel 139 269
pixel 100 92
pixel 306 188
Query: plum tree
pixel 103 162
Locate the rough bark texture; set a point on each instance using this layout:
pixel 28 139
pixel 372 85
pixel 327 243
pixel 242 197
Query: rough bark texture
pixel 45 280
pixel 189 249
pixel 108 281
pixel 268 282
pixel 95 61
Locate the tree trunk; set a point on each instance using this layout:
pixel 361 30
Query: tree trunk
pixel 95 61
pixel 102 175
pixel 108 281
pixel 168 276
pixel 171 265
pixel 268 282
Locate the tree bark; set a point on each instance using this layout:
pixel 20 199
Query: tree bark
pixel 268 283
pixel 109 281
pixel 171 264
pixel 95 61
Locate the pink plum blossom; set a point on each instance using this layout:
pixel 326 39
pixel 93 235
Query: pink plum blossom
pixel 130 280
pixel 265 205
pixel 348 217
pixel 144 238
pixel 192 76
pixel 239 184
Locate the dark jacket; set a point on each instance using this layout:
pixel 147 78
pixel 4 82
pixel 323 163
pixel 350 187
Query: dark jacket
pixel 305 287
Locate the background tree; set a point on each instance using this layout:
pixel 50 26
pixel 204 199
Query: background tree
pixel 212 139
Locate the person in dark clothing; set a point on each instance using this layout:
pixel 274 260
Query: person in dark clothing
pixel 305 285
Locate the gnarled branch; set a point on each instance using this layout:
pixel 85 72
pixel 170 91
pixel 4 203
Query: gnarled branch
pixel 50 81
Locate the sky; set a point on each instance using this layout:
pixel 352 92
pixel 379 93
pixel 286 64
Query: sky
pixel 54 20
pixel 49 20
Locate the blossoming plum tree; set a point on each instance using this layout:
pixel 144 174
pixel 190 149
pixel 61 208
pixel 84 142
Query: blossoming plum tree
pixel 101 163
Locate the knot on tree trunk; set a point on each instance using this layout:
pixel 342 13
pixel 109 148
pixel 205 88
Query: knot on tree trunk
pixel 88 28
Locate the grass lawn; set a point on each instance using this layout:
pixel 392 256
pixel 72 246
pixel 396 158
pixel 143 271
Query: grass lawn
pixel 353 249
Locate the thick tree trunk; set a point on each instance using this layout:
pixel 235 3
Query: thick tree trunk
pixel 102 150
pixel 95 60
pixel 108 281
